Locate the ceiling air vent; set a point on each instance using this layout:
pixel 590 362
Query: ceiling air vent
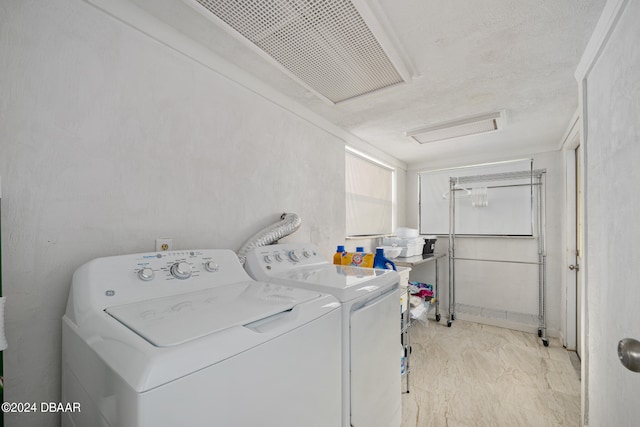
pixel 468 126
pixel 325 45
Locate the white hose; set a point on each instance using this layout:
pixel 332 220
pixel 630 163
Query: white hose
pixel 288 224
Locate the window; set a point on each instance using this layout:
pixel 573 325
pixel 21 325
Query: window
pixel 369 195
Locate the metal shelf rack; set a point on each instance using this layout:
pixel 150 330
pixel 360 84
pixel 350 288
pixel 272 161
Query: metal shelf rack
pixel 537 184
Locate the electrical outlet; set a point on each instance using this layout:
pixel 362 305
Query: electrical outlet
pixel 164 244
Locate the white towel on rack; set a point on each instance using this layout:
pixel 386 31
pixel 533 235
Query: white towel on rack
pixel 479 197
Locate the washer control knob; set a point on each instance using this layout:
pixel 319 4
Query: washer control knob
pixel 145 274
pixel 211 266
pixel 278 257
pixel 293 256
pixel 181 270
pixel 306 253
pixel 268 259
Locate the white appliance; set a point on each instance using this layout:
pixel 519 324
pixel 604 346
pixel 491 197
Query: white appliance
pixel 187 338
pixel 370 325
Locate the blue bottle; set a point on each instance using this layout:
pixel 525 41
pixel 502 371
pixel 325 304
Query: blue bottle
pixel 337 257
pixel 381 262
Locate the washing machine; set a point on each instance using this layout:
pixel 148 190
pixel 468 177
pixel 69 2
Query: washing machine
pixel 188 338
pixel 370 330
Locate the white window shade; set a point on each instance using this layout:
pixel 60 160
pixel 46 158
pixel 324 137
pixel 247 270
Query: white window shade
pixel 369 197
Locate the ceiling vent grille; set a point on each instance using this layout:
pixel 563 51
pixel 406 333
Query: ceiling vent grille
pixel 324 44
pixel 463 127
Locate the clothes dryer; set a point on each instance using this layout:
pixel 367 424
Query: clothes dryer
pixel 187 338
pixel 370 329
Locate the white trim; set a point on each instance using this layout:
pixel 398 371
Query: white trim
pixel 572 130
pixel 607 22
pixel 584 338
pixel 137 18
pixel 489 157
pixel 363 146
pixel 569 323
pixel 477 165
pixel 368 157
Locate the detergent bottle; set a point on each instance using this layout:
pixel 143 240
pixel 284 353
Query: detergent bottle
pixel 358 258
pixel 381 262
pixel 367 259
pixel 337 257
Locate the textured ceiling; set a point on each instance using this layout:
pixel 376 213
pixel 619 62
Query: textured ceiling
pixel 468 58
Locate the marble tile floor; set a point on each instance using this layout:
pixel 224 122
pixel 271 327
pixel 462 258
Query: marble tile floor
pixel 475 375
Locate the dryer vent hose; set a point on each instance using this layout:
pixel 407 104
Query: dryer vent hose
pixel 288 224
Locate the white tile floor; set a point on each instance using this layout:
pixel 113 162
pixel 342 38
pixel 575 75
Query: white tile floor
pixel 474 375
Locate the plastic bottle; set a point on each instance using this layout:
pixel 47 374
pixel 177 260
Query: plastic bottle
pixel 358 258
pixel 354 258
pixel 402 365
pixel 337 257
pixel 381 262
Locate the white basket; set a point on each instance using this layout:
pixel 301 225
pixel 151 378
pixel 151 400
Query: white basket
pixel 407 233
pixel 391 251
pixel 398 241
pixel 409 251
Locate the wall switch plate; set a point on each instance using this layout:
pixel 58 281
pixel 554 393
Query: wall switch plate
pixel 164 244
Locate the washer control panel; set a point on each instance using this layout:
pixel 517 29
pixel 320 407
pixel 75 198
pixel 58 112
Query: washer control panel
pixel 180 265
pixel 282 257
pixel 109 281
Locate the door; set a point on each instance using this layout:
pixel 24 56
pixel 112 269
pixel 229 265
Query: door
pixel 577 259
pixel 610 92
pixel 573 277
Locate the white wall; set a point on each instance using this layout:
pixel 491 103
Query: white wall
pixel 503 287
pixel 109 139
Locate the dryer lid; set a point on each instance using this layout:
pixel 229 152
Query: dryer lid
pixel 344 282
pixel 177 319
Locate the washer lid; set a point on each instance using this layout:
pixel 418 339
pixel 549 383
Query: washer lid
pixel 343 282
pixel 174 320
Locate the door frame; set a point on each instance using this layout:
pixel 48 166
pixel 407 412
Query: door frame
pixel 575 137
pixel 569 314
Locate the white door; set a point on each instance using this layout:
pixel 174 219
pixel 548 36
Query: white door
pixel 574 274
pixel 573 277
pixel 577 258
pixel 610 92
